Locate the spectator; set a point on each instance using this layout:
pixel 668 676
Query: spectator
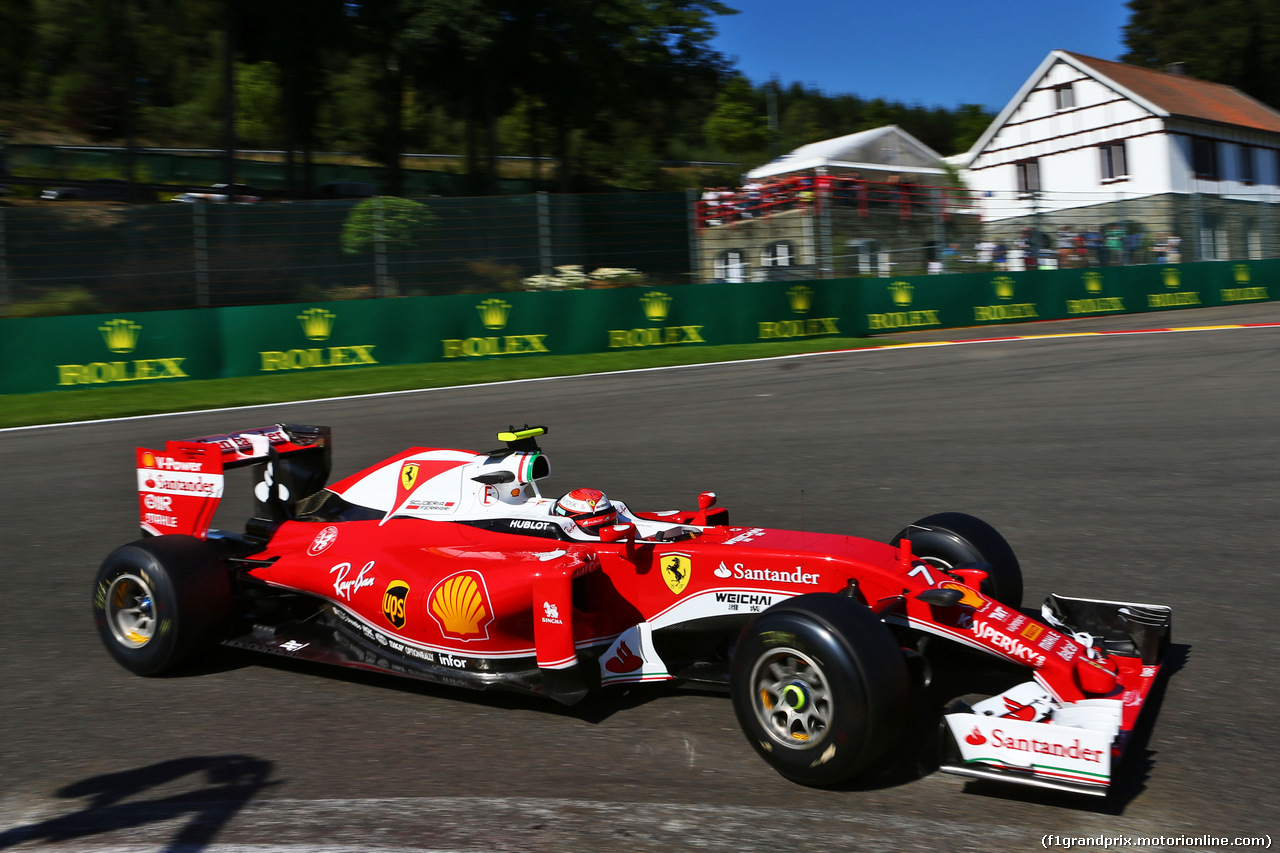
pixel 1173 249
pixel 1094 248
pixel 1136 247
pixel 1115 244
pixel 1000 256
pixel 1066 247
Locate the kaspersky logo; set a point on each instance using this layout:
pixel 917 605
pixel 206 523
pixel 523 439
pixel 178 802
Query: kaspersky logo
pixel 317 324
pixel 120 336
pixel 903 293
pixel 1004 287
pixel 800 297
pixel 1094 302
pixel 1242 292
pixel 494 314
pixel 656 306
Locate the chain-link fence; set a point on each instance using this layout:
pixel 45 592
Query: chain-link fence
pixel 76 257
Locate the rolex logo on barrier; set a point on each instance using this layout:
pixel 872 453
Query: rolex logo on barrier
pixel 1007 309
pixel 656 306
pixel 1003 286
pixel 1094 302
pixel 1243 292
pixel 494 313
pixel 1172 277
pixel 317 323
pixel 801 298
pixel 1172 297
pixel 121 336
pixel 901 292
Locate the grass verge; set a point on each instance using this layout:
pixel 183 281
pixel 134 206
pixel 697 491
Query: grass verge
pixel 124 401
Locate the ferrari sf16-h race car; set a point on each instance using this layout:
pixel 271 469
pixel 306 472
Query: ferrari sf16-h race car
pixel 451 566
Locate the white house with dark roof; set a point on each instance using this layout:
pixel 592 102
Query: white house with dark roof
pixel 1087 141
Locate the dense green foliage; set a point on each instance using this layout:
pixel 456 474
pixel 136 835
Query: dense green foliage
pixel 608 88
pixel 1236 42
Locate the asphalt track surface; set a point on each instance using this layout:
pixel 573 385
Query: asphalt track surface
pixel 1132 467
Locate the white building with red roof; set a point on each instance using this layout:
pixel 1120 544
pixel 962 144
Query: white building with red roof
pixel 1088 141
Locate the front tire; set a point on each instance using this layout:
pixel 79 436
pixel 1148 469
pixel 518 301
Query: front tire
pixel 951 539
pixel 820 688
pixel 158 601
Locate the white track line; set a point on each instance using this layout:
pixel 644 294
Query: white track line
pixel 859 350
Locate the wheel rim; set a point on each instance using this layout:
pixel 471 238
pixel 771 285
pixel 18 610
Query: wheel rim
pixel 131 611
pixel 792 698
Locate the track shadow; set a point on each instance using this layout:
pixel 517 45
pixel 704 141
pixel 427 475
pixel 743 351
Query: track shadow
pixel 229 783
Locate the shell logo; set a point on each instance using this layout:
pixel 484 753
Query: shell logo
pixel 148 460
pixel 969 596
pixel 460 606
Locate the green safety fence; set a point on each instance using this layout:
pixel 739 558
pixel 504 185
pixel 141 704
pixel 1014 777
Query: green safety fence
pixel 51 353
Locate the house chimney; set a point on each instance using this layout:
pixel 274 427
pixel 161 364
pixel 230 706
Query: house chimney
pixel 1177 69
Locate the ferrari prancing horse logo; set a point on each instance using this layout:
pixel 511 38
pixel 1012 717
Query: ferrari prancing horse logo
pixel 408 475
pixel 676 569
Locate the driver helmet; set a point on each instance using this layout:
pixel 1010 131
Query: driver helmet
pixel 588 508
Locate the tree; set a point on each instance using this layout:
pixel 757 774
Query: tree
pixel 1236 42
pixel 397 224
pixel 735 123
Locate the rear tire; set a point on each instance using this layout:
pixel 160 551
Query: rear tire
pixel 820 688
pixel 951 539
pixel 159 601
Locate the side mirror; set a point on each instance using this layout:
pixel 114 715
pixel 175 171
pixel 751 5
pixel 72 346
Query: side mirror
pixel 706 500
pixel 617 532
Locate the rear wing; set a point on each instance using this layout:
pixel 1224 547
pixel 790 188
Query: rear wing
pixel 180 487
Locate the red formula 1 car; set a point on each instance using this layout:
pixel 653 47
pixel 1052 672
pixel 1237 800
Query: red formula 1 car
pixel 450 566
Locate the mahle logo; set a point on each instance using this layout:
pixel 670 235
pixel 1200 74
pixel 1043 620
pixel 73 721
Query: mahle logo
pixel 120 335
pixel 657 305
pixel 494 313
pixel 801 298
pixel 901 292
pixel 1172 277
pixel 317 323
pixel 1003 286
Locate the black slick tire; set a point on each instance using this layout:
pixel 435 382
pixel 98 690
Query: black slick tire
pixel 952 539
pixel 157 602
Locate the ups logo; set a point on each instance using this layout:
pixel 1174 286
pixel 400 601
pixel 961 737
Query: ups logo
pixel 393 602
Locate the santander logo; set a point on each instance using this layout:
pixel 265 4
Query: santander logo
pixel 975 738
pixel 624 661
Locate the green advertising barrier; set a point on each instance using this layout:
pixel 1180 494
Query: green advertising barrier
pixel 107 350
pixel 52 353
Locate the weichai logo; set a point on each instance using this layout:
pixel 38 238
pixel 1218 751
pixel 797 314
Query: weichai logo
pixel 394 600
pixel 317 324
pixel 494 314
pixel 121 336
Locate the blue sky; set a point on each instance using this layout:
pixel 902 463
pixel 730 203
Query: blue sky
pixel 932 52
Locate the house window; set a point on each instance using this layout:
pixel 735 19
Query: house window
pixel 1247 174
pixel 1064 97
pixel 1114 163
pixel 729 266
pixel 780 254
pixel 1028 177
pixel 1204 158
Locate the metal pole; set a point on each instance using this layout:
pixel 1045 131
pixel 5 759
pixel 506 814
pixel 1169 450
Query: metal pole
pixel 691 226
pixel 382 285
pixel 544 234
pixel 202 254
pixel 6 292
